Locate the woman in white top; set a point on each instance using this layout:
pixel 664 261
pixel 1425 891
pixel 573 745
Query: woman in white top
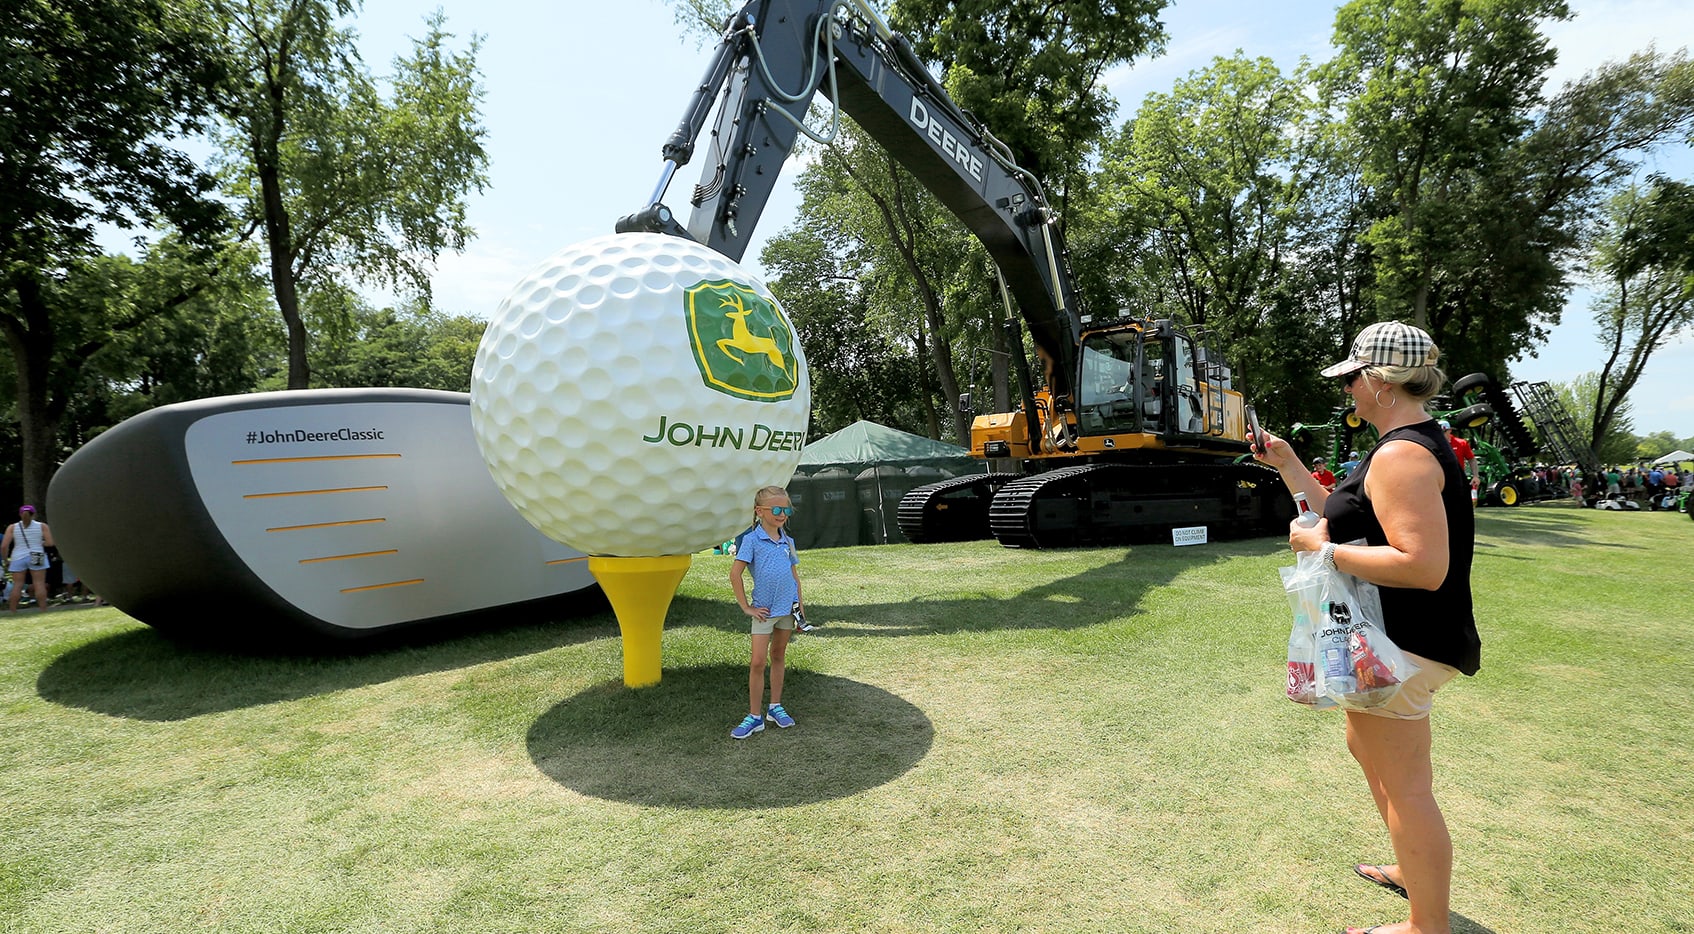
pixel 26 541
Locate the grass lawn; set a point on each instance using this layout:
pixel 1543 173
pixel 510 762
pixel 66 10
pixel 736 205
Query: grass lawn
pixel 989 740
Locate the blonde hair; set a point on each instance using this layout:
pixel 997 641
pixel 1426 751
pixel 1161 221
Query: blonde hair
pixel 1418 383
pixel 768 493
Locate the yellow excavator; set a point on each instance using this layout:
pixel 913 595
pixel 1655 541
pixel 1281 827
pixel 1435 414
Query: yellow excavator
pixel 1133 428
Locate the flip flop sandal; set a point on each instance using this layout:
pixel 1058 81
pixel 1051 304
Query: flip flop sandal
pixel 1375 876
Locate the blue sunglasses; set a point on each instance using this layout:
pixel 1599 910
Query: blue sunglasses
pixel 781 510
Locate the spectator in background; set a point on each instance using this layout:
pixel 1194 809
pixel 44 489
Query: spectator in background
pixel 26 541
pixel 1467 457
pixel 1350 464
pixel 1322 475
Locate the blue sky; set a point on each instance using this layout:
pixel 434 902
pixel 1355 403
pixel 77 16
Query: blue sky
pixel 581 95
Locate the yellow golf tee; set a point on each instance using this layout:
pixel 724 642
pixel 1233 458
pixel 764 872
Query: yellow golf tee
pixel 640 591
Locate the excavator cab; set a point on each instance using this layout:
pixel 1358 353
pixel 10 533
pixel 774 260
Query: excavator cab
pixel 1150 378
pixel 1113 394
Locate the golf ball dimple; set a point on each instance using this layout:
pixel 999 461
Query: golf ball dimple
pixel 633 393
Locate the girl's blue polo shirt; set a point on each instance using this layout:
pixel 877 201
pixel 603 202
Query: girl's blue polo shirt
pixel 773 561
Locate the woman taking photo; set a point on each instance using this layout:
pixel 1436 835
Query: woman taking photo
pixel 1410 504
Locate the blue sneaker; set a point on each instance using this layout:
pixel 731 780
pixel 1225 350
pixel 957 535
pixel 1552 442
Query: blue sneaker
pixel 779 716
pixel 749 725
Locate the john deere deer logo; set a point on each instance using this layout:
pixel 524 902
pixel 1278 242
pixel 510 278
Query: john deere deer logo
pixel 742 343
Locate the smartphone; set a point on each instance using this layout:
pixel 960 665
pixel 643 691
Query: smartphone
pixel 1256 437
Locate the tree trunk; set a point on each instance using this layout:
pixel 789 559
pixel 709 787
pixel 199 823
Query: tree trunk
pixel 1000 361
pixel 926 395
pixel 31 342
pixel 279 238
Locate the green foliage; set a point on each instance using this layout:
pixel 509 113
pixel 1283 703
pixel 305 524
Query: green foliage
pixel 1658 444
pixel 91 91
pixel 1207 188
pixel 1437 98
pixel 128 336
pixel 1647 253
pixel 1582 398
pixel 342 180
pixel 413 347
pixel 848 295
pixel 1659 234
pixel 703 19
pixel 1032 72
pixel 182 326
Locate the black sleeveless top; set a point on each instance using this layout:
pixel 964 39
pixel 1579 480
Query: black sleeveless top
pixel 1437 624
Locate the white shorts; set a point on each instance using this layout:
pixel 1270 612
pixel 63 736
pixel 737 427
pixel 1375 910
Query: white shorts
pixel 764 627
pixel 22 563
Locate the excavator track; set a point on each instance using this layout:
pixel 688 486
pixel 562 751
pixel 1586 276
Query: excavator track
pixel 954 510
pixel 1100 504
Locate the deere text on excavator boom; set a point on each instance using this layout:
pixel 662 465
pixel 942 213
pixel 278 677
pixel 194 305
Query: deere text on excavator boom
pixel 1134 428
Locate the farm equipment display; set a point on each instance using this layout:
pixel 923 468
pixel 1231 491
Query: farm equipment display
pixel 1133 427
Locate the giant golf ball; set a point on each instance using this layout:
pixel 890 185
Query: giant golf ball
pixel 633 392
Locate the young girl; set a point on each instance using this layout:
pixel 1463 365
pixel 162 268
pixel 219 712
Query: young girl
pixel 769 551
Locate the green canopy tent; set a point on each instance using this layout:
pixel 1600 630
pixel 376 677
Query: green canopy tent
pixel 849 484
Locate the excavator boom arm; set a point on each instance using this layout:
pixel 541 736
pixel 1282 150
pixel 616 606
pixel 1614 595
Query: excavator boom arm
pixel 776 55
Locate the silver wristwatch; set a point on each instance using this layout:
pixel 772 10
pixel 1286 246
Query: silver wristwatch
pixel 1327 555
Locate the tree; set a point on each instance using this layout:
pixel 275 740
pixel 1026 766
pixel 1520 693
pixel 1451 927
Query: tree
pixel 167 329
pixel 1481 192
pixel 1655 445
pixel 1581 398
pixel 198 328
pixel 90 90
pixel 129 336
pixel 1034 73
pixel 858 368
pixel 844 273
pixel 341 180
pixel 1213 181
pixel 702 19
pixel 1436 93
pixel 1649 261
pixel 413 346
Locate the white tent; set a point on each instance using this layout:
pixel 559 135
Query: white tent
pixel 1675 457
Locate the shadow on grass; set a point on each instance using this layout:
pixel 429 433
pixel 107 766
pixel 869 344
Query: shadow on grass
pixel 143 675
pixel 669 745
pixel 1539 527
pixel 1464 925
pixel 1112 590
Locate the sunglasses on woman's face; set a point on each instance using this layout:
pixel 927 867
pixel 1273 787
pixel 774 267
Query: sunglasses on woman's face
pixel 781 510
pixel 1351 378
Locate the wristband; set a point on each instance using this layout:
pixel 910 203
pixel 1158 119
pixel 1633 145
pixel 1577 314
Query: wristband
pixel 1327 556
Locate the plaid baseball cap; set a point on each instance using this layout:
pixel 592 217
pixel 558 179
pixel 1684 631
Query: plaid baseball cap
pixel 1388 343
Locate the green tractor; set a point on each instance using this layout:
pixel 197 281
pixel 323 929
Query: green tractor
pixel 1483 414
pixel 1338 436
